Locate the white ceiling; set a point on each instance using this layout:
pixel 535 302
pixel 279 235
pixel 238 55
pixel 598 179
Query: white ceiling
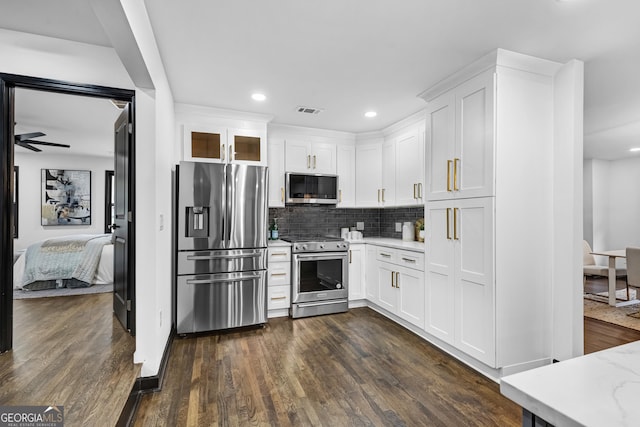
pixel 349 57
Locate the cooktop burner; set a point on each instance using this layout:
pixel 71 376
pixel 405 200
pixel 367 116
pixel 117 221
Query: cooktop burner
pixel 316 244
pixel 306 239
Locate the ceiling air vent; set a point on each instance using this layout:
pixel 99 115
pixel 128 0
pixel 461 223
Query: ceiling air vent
pixel 309 110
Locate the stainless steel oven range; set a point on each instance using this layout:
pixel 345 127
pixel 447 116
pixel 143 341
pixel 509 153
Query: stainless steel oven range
pixel 319 275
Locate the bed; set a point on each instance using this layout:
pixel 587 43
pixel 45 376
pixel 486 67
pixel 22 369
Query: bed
pixel 65 262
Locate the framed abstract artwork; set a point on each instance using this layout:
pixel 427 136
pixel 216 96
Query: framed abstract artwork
pixel 66 197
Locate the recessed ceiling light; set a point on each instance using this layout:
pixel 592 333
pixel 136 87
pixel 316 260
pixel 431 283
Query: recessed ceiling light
pixel 370 114
pixel 258 97
pixel 635 149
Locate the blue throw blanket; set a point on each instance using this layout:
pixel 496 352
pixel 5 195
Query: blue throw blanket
pixel 62 258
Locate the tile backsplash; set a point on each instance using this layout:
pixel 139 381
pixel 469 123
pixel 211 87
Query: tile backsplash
pixel 312 221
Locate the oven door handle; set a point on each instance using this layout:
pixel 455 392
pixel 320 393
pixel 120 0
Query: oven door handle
pixel 320 257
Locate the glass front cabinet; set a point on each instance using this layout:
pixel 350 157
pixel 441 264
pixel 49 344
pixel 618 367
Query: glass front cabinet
pixel 225 145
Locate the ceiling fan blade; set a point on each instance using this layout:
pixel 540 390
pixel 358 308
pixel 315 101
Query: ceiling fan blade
pixel 52 144
pixel 25 136
pixel 27 146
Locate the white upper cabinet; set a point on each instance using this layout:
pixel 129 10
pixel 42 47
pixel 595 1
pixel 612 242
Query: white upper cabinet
pixel 388 190
pixel 368 175
pixel 218 144
pixel 310 157
pixel 275 149
pixel 409 167
pixel 346 167
pixel 460 140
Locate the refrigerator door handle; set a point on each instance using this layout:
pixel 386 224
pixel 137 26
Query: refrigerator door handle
pixel 209 257
pixel 217 280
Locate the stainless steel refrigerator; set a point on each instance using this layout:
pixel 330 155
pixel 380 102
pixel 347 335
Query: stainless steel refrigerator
pixel 221 241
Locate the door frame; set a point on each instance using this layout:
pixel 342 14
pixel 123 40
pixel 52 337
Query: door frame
pixel 8 83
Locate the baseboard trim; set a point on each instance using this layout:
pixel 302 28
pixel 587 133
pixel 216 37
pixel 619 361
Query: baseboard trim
pixel 144 385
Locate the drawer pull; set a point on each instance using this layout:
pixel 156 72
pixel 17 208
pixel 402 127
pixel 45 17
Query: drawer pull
pixel 408 260
pixel 278 274
pixel 275 298
pixel 385 255
pixel 279 254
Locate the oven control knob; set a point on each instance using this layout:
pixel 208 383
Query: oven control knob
pixel 321 246
pixel 304 247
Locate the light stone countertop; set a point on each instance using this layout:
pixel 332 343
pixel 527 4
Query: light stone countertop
pixel 598 389
pixel 392 243
pixel 276 243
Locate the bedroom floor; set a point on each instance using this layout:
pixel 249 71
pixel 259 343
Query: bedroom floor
pixel 69 351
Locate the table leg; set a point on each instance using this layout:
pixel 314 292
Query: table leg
pixel 612 281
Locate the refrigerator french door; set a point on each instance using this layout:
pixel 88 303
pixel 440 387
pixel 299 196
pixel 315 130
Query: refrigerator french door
pixel 221 246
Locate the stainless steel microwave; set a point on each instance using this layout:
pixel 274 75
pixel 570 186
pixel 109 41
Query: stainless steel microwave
pixel 311 189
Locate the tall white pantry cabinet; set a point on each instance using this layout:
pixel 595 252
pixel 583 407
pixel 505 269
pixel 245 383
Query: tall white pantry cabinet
pixel 489 210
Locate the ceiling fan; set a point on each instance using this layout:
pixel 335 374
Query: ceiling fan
pixel 24 140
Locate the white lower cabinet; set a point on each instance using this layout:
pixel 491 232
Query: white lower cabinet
pixel 460 291
pixel 356 271
pixel 399 282
pixel 279 279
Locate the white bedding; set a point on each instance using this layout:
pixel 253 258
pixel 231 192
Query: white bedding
pixel 104 273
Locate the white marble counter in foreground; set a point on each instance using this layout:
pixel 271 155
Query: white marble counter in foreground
pixel 278 243
pixel 393 243
pixel 598 389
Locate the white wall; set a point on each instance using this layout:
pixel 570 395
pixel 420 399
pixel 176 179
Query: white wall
pixel 615 205
pixel 567 310
pixel 30 229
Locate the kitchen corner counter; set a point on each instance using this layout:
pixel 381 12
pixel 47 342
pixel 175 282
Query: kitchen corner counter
pixel 597 389
pixel 276 243
pixel 392 243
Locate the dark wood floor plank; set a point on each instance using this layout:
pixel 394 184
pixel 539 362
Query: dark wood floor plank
pixel 599 335
pixel 355 368
pixel 69 351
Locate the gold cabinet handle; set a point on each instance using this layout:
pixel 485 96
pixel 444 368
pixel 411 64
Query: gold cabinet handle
pixel 448 225
pixel 276 298
pixel 222 153
pixel 408 260
pixel 282 194
pixel 350 257
pixel 449 174
pixel 383 195
pixel 231 153
pixel 414 191
pixel 455 223
pixel 279 253
pixel 308 161
pixel 392 284
pixel 314 161
pixel 455 174
pixel 278 274
pixel 385 255
pixel 378 195
pixel 340 196
pixel 420 190
pixel 398 279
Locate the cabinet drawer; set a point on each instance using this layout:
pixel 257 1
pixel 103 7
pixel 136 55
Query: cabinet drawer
pixel 279 273
pixel 279 254
pixel 386 254
pixel 278 297
pixel 411 259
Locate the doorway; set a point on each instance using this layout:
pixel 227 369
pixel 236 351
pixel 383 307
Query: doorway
pixel 8 84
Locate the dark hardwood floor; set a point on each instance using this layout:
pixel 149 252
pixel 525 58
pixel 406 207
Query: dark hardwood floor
pixel 599 335
pixel 69 351
pixel 355 368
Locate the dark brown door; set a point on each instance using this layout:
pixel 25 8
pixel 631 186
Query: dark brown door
pixel 123 289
